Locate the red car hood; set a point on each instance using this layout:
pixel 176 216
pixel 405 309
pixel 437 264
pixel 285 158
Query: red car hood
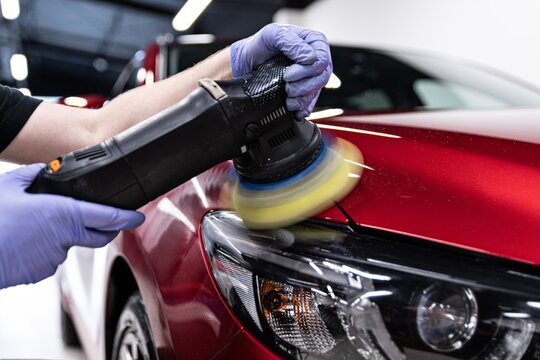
pixel 466 178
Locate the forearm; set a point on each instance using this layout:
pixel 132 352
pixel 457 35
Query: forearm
pixel 56 129
pixel 138 104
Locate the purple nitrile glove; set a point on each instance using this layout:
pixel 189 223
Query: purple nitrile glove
pixel 37 230
pixel 307 48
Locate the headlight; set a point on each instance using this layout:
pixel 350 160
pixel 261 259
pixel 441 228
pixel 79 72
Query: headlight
pixel 323 291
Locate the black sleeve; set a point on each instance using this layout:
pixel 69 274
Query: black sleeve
pixel 15 109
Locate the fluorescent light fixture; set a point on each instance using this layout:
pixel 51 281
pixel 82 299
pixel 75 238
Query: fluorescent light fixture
pixel 76 101
pixel 149 78
pixel 141 76
pixel 19 67
pixel 10 9
pixel 189 13
pixel 333 82
pixel 196 39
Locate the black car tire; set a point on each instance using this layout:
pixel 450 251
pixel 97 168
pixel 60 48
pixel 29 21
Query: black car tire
pixel 69 334
pixel 133 336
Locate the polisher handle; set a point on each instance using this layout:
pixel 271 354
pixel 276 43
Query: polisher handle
pixel 266 82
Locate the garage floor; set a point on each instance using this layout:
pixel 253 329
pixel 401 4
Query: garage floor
pixel 30 323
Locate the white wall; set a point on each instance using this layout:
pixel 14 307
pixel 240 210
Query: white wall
pixel 502 34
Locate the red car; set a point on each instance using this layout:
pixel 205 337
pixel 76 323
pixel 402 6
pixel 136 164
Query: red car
pixel 432 256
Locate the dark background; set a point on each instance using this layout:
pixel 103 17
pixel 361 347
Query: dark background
pixel 80 46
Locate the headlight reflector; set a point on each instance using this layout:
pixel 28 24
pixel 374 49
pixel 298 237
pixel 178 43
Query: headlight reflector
pixel 293 315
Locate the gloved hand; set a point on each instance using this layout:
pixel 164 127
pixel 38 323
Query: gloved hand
pixel 37 230
pixel 307 48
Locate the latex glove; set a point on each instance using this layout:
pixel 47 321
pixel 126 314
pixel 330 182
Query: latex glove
pixel 307 48
pixel 37 230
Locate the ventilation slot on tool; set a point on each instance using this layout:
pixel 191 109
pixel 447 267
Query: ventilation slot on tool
pixel 273 116
pixel 90 153
pixel 281 138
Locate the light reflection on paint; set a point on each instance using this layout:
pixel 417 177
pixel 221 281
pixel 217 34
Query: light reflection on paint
pixel 333 83
pixel 323 114
pixel 76 101
pixel 200 192
pixel 359 164
pixel 358 131
pixel 166 206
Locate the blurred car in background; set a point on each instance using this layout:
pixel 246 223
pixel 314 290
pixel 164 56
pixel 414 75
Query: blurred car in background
pixel 432 256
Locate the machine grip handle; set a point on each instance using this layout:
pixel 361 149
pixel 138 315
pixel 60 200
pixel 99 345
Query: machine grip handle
pixel 285 145
pixel 266 82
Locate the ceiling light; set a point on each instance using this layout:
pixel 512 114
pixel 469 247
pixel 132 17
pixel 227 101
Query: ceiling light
pixel 196 39
pixel 141 75
pixel 189 13
pixel 149 78
pixel 76 101
pixel 19 67
pixel 10 9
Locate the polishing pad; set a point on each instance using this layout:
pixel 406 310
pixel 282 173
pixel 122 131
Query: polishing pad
pixel 331 176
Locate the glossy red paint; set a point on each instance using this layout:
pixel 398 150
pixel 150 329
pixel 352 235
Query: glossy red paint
pixel 187 315
pixel 465 190
pixel 245 347
pixel 473 190
pixel 153 52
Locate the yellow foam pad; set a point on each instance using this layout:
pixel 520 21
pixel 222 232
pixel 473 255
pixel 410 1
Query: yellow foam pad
pixel 335 177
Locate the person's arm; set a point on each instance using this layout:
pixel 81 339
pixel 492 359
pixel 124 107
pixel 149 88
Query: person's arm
pixel 55 129
pixel 38 229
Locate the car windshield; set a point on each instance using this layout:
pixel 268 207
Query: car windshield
pixel 372 80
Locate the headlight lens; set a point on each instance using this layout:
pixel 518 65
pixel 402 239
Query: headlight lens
pixel 324 291
pixel 446 317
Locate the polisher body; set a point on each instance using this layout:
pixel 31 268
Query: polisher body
pixel 244 120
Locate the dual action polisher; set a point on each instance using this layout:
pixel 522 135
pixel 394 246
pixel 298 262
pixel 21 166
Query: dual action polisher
pixel 287 171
